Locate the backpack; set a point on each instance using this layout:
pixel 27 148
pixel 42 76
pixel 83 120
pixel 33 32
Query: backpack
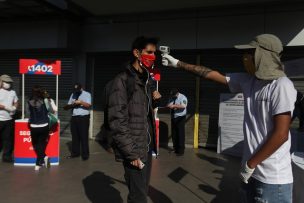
pixel 106 132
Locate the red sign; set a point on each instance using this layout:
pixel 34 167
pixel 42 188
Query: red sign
pixel 40 67
pixel 155 74
pixel 24 153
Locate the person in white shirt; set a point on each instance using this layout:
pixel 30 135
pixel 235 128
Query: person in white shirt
pixel 269 102
pixel 8 106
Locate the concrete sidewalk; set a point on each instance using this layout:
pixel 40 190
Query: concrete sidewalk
pixel 199 176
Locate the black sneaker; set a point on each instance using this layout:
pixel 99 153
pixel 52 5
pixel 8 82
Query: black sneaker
pixel 8 160
pixel 171 150
pixel 85 158
pixel 72 156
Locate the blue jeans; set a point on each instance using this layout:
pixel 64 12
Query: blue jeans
pixel 258 192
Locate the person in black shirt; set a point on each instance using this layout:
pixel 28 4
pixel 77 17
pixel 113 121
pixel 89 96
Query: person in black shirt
pixel 299 111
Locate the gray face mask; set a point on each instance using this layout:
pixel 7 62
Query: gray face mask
pixel 6 85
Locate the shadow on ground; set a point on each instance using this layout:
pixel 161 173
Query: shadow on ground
pixel 99 188
pixel 229 183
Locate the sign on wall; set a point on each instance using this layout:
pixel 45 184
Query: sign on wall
pixel 39 67
pixel 24 153
pixel 231 116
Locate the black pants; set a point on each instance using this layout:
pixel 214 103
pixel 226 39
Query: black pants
pixel 178 133
pixel 7 139
pixel 80 135
pixel 138 181
pixel 40 138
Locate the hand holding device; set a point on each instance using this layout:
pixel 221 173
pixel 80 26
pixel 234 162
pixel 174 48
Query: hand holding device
pixel 168 60
pixel 164 50
pixel 138 163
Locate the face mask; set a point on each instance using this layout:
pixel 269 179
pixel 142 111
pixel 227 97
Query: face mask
pixel 249 64
pixel 147 60
pixel 6 85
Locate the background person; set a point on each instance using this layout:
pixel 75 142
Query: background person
pixel 8 106
pixel 269 102
pixel 80 104
pixel 299 111
pixel 178 105
pixel 39 126
pixel 50 101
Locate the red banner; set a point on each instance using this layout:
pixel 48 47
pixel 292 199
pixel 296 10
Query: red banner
pixel 39 67
pixel 24 153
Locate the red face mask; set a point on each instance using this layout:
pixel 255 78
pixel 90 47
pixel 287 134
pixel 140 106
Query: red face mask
pixel 147 60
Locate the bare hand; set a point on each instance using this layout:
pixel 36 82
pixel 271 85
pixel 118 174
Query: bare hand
pixel 2 107
pixel 136 163
pixel 78 102
pixel 171 106
pixel 156 95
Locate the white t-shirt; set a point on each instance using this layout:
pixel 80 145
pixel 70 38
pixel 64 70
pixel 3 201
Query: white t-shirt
pixel 7 98
pixel 263 100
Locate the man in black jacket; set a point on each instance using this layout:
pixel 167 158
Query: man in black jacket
pixel 131 118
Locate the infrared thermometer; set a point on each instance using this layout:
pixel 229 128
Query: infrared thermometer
pixel 164 50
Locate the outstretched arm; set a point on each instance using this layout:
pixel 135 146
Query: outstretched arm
pixel 201 71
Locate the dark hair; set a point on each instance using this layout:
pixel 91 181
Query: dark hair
pixel 37 92
pixel 141 42
pixel 46 94
pixel 173 91
pixel 78 86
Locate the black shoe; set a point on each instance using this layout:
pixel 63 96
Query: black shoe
pixel 72 156
pixel 171 150
pixel 8 160
pixel 179 154
pixel 85 158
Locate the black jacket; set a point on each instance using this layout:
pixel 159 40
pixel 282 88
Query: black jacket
pixel 128 117
pixel 38 112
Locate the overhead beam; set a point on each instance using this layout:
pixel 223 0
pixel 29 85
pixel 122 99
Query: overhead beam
pixel 58 3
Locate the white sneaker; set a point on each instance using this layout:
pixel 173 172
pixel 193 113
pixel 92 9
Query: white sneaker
pixel 37 167
pixel 47 162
